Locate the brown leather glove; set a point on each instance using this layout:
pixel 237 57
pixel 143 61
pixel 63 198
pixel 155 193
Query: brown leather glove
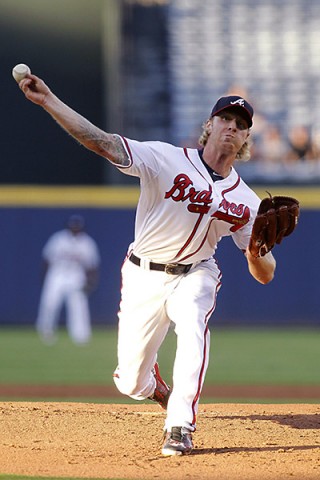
pixel 277 217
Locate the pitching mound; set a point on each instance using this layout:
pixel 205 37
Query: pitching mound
pixel 233 441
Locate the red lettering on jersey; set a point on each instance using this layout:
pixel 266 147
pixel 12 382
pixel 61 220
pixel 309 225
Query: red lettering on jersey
pixel 198 208
pixel 237 215
pixel 182 190
pixel 237 222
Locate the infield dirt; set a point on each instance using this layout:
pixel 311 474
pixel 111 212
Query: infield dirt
pixel 232 441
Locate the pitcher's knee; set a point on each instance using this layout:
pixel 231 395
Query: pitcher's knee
pixel 125 384
pixel 127 387
pixel 131 386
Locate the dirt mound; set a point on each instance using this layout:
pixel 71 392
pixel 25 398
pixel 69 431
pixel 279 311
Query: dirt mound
pixel 233 441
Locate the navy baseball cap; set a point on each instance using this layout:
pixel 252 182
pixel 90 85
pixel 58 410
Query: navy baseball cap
pixel 233 101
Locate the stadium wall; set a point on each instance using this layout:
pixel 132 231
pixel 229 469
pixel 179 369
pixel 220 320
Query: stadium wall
pixel 29 215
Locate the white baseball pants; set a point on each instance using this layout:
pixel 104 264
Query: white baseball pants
pixel 150 301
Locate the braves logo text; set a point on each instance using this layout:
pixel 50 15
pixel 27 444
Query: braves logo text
pixel 237 215
pixel 183 190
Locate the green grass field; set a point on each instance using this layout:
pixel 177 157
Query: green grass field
pixel 238 356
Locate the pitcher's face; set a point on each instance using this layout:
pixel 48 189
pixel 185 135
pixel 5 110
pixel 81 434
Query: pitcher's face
pixel 229 131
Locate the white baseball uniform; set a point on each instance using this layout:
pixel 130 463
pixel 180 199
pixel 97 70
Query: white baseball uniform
pixel 181 216
pixel 70 257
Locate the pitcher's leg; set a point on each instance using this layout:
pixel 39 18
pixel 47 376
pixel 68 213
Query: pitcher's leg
pixel 190 307
pixel 188 376
pixel 138 344
pixel 143 325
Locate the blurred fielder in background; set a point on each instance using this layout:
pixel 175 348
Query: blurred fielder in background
pixel 70 270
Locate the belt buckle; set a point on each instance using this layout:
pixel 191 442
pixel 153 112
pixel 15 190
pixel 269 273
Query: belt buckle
pixel 171 268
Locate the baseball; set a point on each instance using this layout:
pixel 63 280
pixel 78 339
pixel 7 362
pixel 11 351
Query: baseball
pixel 20 71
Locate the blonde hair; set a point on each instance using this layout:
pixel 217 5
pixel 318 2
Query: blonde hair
pixel 244 153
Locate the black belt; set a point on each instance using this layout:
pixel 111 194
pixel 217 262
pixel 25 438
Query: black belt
pixel 169 268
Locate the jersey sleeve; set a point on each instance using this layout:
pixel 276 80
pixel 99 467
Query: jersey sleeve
pixel 242 237
pixel 145 158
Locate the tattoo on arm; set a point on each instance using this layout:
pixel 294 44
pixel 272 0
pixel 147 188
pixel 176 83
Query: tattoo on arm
pixel 86 133
pixel 104 144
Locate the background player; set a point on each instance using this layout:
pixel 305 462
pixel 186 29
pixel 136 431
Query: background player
pixel 189 200
pixel 70 267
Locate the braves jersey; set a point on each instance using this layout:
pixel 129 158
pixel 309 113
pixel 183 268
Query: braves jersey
pixel 182 213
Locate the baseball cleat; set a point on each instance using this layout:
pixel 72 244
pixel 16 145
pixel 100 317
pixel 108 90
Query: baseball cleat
pixel 162 391
pixel 177 442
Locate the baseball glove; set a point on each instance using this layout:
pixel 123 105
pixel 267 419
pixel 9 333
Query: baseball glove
pixel 277 217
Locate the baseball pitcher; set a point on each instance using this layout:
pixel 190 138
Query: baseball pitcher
pixel 190 199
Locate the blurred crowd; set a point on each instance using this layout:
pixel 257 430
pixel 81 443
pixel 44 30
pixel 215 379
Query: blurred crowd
pixel 283 152
pixel 273 144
